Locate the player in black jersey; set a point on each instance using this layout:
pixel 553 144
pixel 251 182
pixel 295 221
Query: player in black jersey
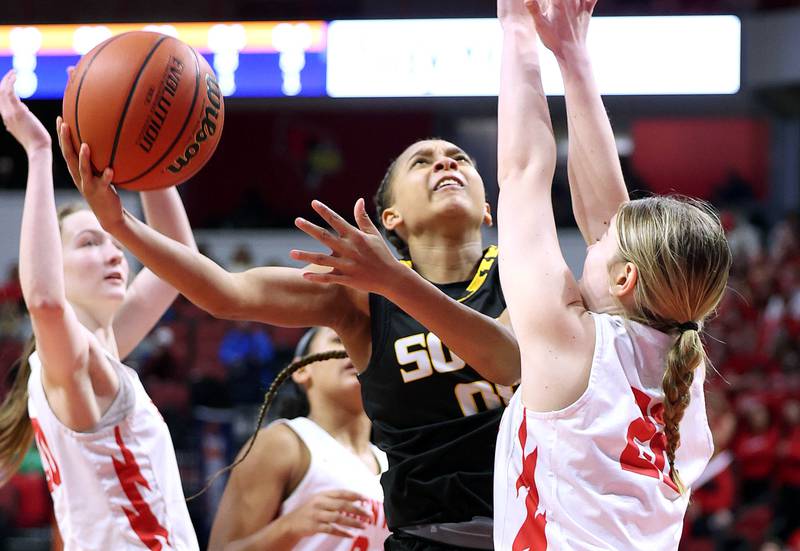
pixel 430 357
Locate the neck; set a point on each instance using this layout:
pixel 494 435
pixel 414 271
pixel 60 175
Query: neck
pixel 446 259
pixel 351 429
pixel 100 326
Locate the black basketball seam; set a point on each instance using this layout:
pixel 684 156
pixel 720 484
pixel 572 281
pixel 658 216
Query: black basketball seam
pixel 121 120
pixel 80 85
pixel 180 132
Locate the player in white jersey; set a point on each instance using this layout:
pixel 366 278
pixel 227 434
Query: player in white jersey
pixel 322 491
pixel 600 445
pixel 107 452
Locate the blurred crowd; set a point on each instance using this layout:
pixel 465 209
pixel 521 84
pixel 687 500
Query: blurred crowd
pixel 208 378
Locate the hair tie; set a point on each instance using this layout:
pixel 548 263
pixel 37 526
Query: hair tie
pixel 688 326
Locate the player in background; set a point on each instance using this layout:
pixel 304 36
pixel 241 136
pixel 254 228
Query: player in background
pixel 107 453
pixel 322 491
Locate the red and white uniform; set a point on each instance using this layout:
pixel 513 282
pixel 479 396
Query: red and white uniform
pixel 334 467
pixel 595 475
pixel 118 486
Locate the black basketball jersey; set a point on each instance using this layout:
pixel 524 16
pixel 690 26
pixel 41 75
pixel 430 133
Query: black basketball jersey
pixel 435 417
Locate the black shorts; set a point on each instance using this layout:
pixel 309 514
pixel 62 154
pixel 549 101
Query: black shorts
pixel 398 541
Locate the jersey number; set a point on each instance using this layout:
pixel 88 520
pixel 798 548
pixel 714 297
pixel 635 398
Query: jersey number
pixel 427 355
pixel 645 452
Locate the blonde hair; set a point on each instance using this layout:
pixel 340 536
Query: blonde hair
pixel 682 257
pixel 16 431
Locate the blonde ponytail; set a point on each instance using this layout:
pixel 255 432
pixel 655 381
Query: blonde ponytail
pixel 683 359
pixel 682 257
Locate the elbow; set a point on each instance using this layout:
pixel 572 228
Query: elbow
pixel 225 309
pixel 45 306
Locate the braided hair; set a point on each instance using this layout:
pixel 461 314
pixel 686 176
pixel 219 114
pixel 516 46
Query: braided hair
pixel 301 360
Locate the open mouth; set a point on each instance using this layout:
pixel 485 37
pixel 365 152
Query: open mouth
pixel 448 183
pixel 113 277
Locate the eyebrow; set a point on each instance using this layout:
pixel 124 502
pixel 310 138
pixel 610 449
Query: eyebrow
pixel 428 152
pixel 100 235
pixel 94 233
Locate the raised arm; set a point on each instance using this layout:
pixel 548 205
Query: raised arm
pixel 543 297
pixel 595 175
pixel 361 260
pixel 149 296
pixel 279 296
pixel 60 338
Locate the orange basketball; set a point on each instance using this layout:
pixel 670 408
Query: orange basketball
pixel 148 106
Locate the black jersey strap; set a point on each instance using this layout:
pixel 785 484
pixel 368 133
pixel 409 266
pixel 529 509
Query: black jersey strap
pixel 489 258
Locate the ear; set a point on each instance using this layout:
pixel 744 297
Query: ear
pixel 487 215
pixel 624 276
pixel 302 377
pixel 391 218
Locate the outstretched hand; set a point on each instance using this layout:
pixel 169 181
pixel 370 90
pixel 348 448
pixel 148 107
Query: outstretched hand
pixel 96 189
pixel 18 119
pixel 562 24
pixel 359 258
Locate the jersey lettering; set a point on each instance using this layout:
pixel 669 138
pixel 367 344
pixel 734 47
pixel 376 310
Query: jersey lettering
pixel 466 394
pixel 51 470
pixel 439 355
pixel 428 354
pixel 407 356
pixel 645 452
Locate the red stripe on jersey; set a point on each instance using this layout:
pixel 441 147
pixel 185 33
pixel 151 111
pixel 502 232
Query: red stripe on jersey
pixel 141 518
pixel 51 470
pixel 531 535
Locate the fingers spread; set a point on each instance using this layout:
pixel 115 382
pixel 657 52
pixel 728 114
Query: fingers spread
pixel 338 223
pixel 320 259
pixel 320 234
pixel 362 218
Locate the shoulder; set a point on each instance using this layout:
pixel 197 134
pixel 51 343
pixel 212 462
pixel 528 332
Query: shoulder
pixel 276 436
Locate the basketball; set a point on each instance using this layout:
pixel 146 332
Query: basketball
pixel 149 107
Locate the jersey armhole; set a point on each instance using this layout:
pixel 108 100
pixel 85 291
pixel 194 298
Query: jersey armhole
pixel 378 331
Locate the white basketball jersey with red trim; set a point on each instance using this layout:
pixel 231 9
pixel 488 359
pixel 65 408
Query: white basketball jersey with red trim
pixel 334 467
pixel 117 487
pixel 595 474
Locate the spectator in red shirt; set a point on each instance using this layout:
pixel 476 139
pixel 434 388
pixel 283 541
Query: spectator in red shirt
pixel 787 512
pixel 755 451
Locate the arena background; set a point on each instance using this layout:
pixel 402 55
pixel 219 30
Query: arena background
pixel 684 123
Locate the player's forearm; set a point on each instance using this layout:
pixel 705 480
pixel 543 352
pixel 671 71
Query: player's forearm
pixel 198 278
pixel 595 174
pixel 40 265
pixel 482 342
pixel 278 534
pixel 164 212
pixel 525 135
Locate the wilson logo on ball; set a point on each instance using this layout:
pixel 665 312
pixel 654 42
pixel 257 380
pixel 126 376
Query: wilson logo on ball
pixel 161 106
pixel 208 125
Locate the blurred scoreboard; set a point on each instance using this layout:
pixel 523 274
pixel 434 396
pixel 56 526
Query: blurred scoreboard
pixel 252 59
pixel 399 58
